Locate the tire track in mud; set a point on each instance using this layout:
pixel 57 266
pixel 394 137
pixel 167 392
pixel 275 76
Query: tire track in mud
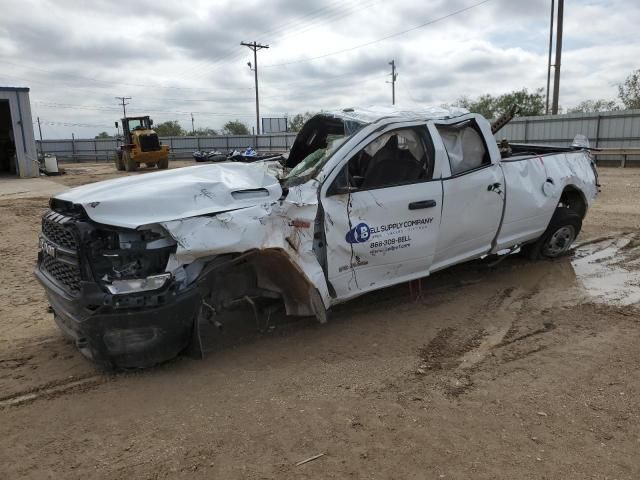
pixel 55 388
pixel 514 325
pixel 450 361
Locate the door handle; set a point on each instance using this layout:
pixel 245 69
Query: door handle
pixel 494 186
pixel 422 204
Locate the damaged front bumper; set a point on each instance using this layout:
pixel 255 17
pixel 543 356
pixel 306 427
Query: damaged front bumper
pixel 125 331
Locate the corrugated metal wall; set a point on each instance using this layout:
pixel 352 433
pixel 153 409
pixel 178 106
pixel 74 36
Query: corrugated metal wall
pixel 20 110
pixel 605 130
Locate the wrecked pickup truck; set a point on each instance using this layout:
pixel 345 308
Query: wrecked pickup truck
pixel 365 199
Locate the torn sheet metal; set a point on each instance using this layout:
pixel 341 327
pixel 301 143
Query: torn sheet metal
pixel 286 226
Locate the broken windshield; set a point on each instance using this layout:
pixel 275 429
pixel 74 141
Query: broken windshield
pixel 313 162
pixel 316 143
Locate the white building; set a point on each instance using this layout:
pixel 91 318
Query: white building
pixel 18 155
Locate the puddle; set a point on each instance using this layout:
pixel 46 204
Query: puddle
pixel 609 270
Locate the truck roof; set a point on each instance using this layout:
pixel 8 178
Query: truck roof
pixel 415 112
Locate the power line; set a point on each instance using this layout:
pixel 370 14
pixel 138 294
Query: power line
pixel 101 108
pixel 66 124
pixel 236 53
pixel 106 82
pixel 408 92
pixel 372 42
pixel 313 24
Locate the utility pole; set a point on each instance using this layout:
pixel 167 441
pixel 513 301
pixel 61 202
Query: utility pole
pixel 40 130
pixel 556 76
pixel 546 108
pixel 124 109
pixel 394 75
pixel 255 47
pixel 193 128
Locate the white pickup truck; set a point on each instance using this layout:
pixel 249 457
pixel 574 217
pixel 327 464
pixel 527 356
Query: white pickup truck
pixel 365 199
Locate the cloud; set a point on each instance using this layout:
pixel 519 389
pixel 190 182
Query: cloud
pixel 175 59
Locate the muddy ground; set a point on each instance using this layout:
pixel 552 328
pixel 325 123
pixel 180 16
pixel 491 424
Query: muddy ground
pixel 523 370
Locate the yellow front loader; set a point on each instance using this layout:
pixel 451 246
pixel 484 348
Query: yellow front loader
pixel 141 145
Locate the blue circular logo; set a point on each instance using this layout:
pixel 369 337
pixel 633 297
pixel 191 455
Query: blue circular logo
pixel 359 234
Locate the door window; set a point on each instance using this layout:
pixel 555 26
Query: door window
pixel 465 147
pixel 395 158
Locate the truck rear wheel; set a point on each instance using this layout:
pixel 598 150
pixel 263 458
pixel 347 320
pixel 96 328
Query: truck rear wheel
pixel 130 164
pixel 563 229
pixel 163 164
pixel 119 162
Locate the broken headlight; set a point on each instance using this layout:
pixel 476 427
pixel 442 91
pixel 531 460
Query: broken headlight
pixel 128 261
pixel 132 285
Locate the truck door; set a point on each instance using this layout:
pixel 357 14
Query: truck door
pixel 382 212
pixel 473 194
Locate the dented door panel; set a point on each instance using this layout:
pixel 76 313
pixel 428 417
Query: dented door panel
pixel 374 239
pixel 471 215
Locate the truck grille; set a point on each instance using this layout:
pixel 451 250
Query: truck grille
pixel 59 255
pixel 68 276
pixel 149 143
pixel 53 228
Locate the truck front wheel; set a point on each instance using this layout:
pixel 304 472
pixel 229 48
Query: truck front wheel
pixel 164 163
pixel 563 229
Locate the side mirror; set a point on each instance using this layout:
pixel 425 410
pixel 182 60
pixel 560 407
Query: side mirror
pixel 116 124
pixel 150 122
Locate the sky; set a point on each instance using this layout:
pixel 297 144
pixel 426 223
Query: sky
pixel 175 58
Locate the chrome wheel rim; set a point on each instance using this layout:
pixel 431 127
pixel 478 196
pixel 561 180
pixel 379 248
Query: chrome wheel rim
pixel 560 241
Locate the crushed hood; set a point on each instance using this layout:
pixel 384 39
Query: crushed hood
pixel 144 199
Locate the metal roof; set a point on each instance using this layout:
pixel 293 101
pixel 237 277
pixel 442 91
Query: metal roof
pixel 14 89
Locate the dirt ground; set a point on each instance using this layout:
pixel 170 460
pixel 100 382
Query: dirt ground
pixel 524 370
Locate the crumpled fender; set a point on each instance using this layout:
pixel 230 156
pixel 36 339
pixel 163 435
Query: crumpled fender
pixel 284 228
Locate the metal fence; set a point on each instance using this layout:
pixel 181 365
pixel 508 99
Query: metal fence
pixel 605 130
pixel 77 150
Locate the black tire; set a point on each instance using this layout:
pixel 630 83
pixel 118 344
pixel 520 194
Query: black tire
pixel 119 162
pixel 564 227
pixel 163 164
pixel 130 165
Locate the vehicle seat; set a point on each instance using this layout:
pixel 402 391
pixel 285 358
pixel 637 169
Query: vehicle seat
pixel 391 165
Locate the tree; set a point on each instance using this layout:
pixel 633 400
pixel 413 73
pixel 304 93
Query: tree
pixel 235 127
pixel 530 103
pixel 600 105
pixel 484 105
pixel 298 120
pixel 103 135
pixel 629 91
pixel 206 132
pixel 170 128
